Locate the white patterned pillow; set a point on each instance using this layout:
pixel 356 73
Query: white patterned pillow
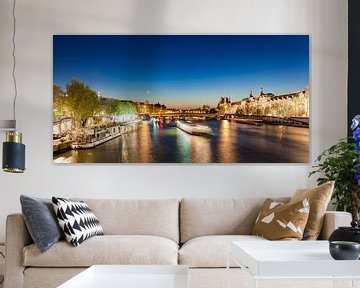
pixel 77 220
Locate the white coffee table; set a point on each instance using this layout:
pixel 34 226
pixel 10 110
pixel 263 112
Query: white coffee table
pixel 131 276
pixel 297 260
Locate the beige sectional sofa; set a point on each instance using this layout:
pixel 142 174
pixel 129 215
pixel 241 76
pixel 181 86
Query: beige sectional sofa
pixel 194 232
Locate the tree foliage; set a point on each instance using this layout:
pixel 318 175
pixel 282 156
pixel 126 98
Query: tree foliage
pixel 57 91
pixel 339 163
pixel 59 101
pixel 82 101
pixel 119 107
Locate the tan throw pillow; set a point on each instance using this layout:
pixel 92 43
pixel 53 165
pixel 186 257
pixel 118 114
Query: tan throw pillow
pixel 319 198
pixel 279 221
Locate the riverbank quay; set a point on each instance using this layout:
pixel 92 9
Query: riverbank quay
pixel 271 120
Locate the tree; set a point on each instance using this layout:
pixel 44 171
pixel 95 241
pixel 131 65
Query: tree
pixel 59 101
pixel 81 100
pixel 119 108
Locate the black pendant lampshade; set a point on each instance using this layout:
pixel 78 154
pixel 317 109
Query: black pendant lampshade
pixel 13 153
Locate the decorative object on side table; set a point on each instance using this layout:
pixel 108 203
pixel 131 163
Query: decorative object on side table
pixel 341 163
pixel 344 250
pixel 351 233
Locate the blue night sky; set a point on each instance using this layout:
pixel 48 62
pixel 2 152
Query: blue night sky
pixel 183 71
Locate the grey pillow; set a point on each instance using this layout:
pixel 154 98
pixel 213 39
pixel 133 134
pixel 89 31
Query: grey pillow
pixel 41 221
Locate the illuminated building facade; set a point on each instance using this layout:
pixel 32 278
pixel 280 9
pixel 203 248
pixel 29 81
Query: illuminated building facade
pixel 294 104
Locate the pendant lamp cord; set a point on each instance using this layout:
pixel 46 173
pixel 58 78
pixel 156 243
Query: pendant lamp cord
pixel 14 61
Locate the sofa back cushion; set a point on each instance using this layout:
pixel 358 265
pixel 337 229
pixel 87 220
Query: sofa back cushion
pixel 159 217
pixel 200 217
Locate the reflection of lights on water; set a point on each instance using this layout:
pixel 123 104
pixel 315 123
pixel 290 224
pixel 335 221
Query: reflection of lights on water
pixel 226 145
pixel 200 149
pixel 183 140
pixel 65 160
pixel 124 151
pixel 145 143
pixel 154 125
pixel 282 129
pixel 225 124
pixel 193 147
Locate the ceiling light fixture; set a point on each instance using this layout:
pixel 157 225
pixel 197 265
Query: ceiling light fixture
pixel 13 149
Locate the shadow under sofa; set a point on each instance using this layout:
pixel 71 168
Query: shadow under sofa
pixel 194 232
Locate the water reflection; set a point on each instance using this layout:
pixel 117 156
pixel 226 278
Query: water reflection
pixel 193 148
pixel 226 142
pixel 145 143
pixel 231 143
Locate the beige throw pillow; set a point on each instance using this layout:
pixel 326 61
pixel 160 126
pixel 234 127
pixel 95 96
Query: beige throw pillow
pixel 279 221
pixel 319 198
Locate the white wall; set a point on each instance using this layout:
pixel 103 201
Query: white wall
pixel 38 20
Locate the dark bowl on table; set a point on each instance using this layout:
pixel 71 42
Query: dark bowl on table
pixel 344 250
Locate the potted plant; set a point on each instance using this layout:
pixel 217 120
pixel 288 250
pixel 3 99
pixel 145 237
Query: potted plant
pixel 341 163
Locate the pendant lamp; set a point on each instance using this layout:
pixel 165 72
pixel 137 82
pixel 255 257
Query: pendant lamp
pixel 13 158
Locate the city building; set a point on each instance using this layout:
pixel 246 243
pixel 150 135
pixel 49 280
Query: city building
pixel 293 104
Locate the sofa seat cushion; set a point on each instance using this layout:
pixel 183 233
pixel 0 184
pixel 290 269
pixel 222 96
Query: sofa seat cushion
pixel 211 251
pixel 107 249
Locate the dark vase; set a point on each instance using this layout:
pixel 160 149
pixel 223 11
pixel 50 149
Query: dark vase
pixel 344 250
pixel 351 234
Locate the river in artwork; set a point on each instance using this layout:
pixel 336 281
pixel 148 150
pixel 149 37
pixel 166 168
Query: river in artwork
pixel 230 142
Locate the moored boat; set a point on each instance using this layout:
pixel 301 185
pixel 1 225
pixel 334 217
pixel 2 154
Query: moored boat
pixel 247 121
pixel 193 128
pixel 92 137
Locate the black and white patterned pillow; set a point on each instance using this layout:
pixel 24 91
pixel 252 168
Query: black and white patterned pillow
pixel 77 220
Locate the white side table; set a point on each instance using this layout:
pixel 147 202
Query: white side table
pixel 131 276
pixel 308 261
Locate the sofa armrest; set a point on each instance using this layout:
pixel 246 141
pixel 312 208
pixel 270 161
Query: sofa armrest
pixel 17 237
pixel 333 220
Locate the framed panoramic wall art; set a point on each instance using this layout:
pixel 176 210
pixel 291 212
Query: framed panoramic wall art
pixel 181 99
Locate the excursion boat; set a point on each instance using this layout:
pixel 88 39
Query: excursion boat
pixel 194 129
